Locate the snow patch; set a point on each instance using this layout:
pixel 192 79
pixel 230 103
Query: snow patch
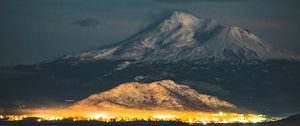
pixel 123 65
pixel 139 78
pixel 104 52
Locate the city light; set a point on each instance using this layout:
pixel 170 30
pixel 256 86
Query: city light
pixel 203 118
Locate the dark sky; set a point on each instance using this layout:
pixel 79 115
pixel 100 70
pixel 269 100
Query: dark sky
pixel 34 30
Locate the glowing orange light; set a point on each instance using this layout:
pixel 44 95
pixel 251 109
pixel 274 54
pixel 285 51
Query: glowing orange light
pixel 203 118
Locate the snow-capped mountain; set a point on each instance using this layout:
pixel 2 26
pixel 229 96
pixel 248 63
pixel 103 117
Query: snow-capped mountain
pixel 185 37
pixel 183 48
pixel 164 94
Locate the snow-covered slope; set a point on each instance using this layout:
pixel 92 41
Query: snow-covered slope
pixel 185 37
pixel 164 94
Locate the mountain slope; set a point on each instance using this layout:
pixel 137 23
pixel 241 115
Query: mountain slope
pixel 185 37
pixel 165 94
pixel 291 119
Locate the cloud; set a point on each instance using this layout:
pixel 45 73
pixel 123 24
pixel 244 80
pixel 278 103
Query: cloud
pixel 209 88
pixel 86 22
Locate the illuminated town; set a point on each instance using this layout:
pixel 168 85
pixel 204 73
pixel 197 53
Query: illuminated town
pixel 203 118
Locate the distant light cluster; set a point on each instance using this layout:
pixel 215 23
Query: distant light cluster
pixel 203 118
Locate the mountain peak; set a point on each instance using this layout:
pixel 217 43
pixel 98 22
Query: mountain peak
pixel 165 95
pixel 237 32
pixel 185 37
pixel 163 84
pixel 167 83
pixel 179 19
pixel 184 18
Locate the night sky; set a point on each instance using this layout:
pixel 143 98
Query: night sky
pixel 35 30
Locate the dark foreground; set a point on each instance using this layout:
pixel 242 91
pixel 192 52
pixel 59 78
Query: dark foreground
pixel 92 123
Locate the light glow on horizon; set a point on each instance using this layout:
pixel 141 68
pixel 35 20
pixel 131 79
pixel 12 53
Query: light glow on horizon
pixel 198 117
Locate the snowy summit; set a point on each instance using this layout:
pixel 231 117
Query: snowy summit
pixel 185 37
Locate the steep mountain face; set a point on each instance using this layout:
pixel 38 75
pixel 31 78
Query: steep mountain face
pixel 185 37
pixel 165 94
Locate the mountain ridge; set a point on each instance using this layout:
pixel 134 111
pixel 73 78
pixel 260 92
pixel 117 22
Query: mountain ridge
pixel 164 94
